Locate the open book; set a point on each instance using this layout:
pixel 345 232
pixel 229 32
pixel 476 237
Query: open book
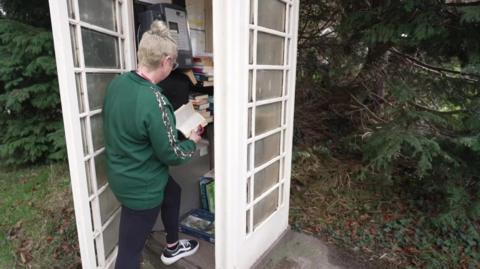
pixel 188 119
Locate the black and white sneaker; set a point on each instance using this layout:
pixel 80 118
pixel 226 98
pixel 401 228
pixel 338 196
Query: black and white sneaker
pixel 184 248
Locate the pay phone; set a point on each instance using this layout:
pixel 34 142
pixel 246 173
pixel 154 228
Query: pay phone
pixel 175 17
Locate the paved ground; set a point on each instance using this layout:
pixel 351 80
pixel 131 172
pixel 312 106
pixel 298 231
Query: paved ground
pixel 293 251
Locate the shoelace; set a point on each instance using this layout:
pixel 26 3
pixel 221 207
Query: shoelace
pixel 184 243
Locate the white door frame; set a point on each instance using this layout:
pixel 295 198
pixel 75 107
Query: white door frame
pixel 234 247
pixel 66 70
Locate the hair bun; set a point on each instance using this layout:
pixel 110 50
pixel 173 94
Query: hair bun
pixel 159 28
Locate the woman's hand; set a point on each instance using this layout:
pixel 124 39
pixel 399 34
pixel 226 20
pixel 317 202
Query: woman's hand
pixel 194 136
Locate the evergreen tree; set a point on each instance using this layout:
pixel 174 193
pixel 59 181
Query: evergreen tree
pixel 30 112
pixel 35 13
pixel 402 78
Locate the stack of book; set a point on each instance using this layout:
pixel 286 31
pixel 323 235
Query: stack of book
pixel 202 105
pixel 203 70
pixel 199 223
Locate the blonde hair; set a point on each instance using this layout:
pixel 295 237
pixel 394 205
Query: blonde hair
pixel 155 45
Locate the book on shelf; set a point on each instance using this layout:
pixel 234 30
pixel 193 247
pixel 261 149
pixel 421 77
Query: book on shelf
pixel 203 60
pixel 202 77
pixel 203 70
pixel 210 188
pixel 207 191
pixel 188 119
pixel 203 191
pixel 206 83
pixel 197 96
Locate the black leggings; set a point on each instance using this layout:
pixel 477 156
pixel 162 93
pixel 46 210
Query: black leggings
pixel 136 226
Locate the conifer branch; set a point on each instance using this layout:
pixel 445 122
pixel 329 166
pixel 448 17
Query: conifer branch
pixel 439 70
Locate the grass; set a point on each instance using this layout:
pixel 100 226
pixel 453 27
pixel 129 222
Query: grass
pixel 381 222
pixel 37 225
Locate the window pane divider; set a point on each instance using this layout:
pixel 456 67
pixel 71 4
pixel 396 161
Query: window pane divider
pixel 112 258
pixel 100 191
pixel 102 30
pixel 265 165
pixel 104 226
pixel 100 70
pixel 261 224
pixel 265 102
pixel 268 67
pixel 269 101
pixel 263 195
pixel 95 154
pixel 269 31
pixel 262 136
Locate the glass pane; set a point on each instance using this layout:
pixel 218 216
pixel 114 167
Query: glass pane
pixel 248 221
pixel 252 8
pixel 91 218
pixel 248 190
pixel 250 48
pixel 281 194
pixel 265 10
pixel 123 58
pixel 80 92
pixel 73 37
pixel 249 123
pixel 249 154
pixel 110 235
pixel 108 204
pixel 71 14
pixel 96 123
pixel 289 12
pixel 98 12
pixel 120 18
pixel 286 83
pixel 282 168
pixel 267 117
pixel 283 145
pixel 83 125
pixel 266 178
pixel 263 209
pixel 267 149
pixel 287 52
pixel 100 50
pixel 269 49
pixel 88 172
pixel 96 85
pixel 101 169
pixel 250 86
pixel 269 84
pixel 285 107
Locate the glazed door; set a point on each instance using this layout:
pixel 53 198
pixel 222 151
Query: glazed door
pixel 255 60
pixel 93 43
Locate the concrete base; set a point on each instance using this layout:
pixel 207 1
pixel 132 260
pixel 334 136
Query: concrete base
pixel 293 251
pixel 300 251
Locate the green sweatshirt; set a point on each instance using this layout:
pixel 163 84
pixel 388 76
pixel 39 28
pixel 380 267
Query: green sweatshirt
pixel 141 141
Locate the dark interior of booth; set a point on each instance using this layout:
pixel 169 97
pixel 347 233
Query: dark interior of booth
pixel 191 82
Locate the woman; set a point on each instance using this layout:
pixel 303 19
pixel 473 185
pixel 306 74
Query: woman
pixel 141 143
